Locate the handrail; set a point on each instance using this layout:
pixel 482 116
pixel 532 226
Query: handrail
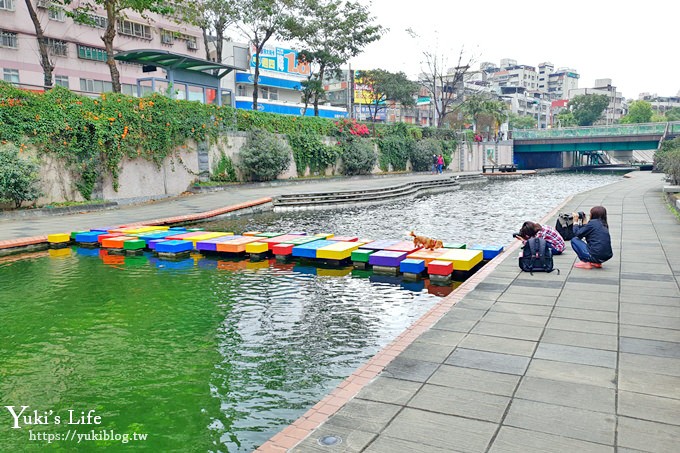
pixel 597 131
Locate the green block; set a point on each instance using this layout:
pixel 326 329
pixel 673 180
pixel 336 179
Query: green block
pixel 361 256
pixel 73 234
pixel 453 245
pixel 268 235
pixel 134 244
pixel 191 230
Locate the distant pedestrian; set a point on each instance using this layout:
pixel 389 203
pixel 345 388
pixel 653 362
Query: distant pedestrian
pixel 435 161
pixel 440 163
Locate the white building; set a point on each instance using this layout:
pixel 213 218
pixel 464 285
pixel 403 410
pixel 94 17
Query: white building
pixel 617 105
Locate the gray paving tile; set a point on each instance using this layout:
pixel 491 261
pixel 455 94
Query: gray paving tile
pixel 570 372
pixel 536 291
pixel 387 444
pixel 526 309
pixel 592 278
pixel 410 369
pixel 646 277
pixel 652 300
pixel 592 288
pixel 475 304
pixel 565 421
pixel 484 295
pixel 602 303
pixel 660 365
pixel 372 415
pixel 490 361
pixel 664 289
pixel 388 390
pixel 464 403
pixel 441 431
pixel 455 325
pixel 498 344
pixel 516 319
pixel 533 283
pixel 487 286
pixel 648 436
pixel 530 299
pixel 637 319
pixel 649 383
pixel 517 440
pixel 576 354
pixel 577 325
pixel 650 347
pixel 441 337
pixel 647 407
pixel 562 393
pixel 586 314
pixel 476 380
pixel 353 440
pixel 459 313
pixel 650 333
pixel 582 339
pixel 495 329
pixel 422 350
pixel 651 309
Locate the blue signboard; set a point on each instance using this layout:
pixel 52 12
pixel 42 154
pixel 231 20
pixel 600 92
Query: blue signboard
pixel 294 109
pixel 281 60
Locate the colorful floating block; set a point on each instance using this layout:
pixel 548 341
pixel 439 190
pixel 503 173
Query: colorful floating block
pixel 210 245
pixel 58 238
pixel 298 233
pixel 439 267
pixel 103 236
pixel 174 246
pixel 134 244
pixel 337 250
pixel 207 235
pixel 309 249
pixel 88 237
pixel 361 255
pixel 324 235
pixel 268 235
pixel 279 239
pixel 176 229
pixel 251 233
pixel 344 238
pixel 412 266
pixel 237 245
pixel 116 242
pixel 257 247
pixel 75 233
pixel 427 255
pixel 462 259
pixel 151 243
pixel 155 235
pixel 489 252
pixel 386 258
pixel 403 246
pixel 302 240
pixel 195 229
pixel 184 236
pixel 282 249
pixel 454 245
pixel 380 244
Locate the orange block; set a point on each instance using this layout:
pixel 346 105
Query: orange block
pixel 236 245
pixel 439 267
pixel 103 236
pixel 116 242
pixel 427 255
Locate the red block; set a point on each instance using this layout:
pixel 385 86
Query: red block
pixel 103 236
pixel 283 249
pixel 439 267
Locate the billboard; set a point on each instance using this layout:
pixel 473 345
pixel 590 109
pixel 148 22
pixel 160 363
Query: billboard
pixel 280 60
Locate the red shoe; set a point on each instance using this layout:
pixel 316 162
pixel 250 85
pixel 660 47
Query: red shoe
pixel 596 265
pixel 583 265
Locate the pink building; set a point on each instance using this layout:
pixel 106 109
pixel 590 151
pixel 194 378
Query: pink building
pixel 77 50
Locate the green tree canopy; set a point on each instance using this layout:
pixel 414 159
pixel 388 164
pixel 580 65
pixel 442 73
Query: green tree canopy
pixel 565 119
pixel 588 108
pixel 673 114
pixel 522 121
pixel 638 112
pixel 384 86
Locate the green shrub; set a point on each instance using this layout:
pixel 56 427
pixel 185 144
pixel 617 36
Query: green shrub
pixel 668 160
pixel 224 170
pixel 309 151
pixel 264 156
pixel 394 150
pixel 358 157
pixel 421 156
pixel 18 177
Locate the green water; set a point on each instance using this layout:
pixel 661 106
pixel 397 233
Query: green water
pixel 200 355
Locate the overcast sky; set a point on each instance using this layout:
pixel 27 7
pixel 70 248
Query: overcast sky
pixel 633 43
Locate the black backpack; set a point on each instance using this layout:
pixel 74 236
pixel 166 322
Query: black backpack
pixel 565 226
pixel 536 256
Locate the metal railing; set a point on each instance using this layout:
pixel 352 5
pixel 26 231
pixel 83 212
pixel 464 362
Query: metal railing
pixel 597 131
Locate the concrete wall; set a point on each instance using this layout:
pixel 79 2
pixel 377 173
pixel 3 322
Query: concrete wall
pixel 471 156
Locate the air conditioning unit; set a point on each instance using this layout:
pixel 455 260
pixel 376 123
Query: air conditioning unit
pixel 192 45
pixel 44 4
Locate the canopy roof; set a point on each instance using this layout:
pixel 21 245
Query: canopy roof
pixel 170 60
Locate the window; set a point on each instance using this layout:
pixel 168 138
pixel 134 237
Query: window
pixel 7 4
pixel 129 89
pixel 98 21
pixel 95 86
pixel 126 27
pixel 57 47
pixel 191 43
pixel 167 37
pixel 91 53
pixel 57 14
pixel 269 93
pixel 61 81
pixel 10 75
pixel 8 39
pixel 241 90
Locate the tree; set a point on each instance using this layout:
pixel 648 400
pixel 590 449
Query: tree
pixel 565 119
pixel 45 62
pixel 588 108
pixel 474 106
pixel 638 112
pixel 214 17
pixel 673 114
pixel 115 10
pixel 384 86
pixel 19 178
pixel 259 21
pixel 667 159
pixel 331 32
pixel 521 121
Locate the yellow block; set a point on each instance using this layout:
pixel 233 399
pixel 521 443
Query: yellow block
pixel 141 229
pixel 58 238
pixel 207 235
pixel 257 247
pixel 324 235
pixel 337 251
pixel 463 259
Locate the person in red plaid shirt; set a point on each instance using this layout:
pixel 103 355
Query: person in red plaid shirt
pixel 551 236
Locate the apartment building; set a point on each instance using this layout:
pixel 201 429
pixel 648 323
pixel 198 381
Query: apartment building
pixel 661 104
pixel 77 50
pixel 617 104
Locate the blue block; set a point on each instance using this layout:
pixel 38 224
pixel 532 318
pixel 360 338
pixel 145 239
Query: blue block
pixel 151 243
pixel 309 249
pixel 174 246
pixel 90 236
pixel 412 266
pixel 489 252
pixel 159 235
pixel 177 229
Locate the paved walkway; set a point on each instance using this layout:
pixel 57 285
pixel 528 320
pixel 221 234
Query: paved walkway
pixel 11 229
pixel 584 361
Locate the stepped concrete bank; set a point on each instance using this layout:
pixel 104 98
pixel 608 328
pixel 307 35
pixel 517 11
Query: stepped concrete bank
pixel 584 360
